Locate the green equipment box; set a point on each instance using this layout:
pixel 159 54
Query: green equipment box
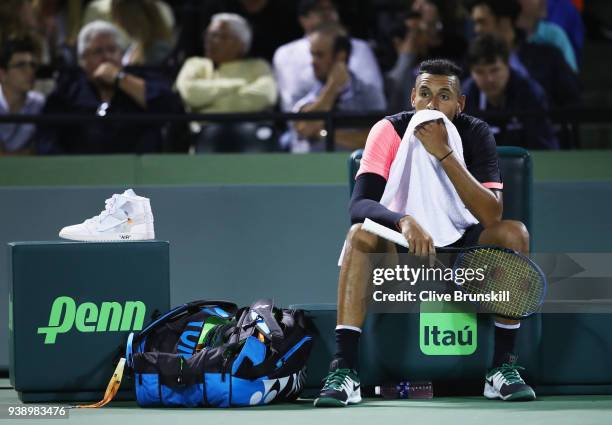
pixel 71 307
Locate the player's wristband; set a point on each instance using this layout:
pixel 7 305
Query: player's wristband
pixel 446 156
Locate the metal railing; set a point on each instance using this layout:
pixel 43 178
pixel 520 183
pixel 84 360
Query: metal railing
pixel 569 118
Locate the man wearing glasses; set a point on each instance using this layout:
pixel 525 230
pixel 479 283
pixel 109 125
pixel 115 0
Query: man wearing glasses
pixel 18 64
pixel 101 87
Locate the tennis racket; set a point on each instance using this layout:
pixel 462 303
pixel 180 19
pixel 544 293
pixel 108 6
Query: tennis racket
pixel 505 270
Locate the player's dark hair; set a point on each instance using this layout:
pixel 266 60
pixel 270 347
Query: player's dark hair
pixel 440 67
pixel 16 45
pixel 486 49
pixel 499 8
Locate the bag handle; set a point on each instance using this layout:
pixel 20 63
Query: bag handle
pixel 191 306
pixel 196 305
pixel 263 308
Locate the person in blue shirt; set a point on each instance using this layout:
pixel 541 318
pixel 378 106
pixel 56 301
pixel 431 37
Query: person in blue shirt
pixel 541 62
pixel 565 14
pixel 494 86
pixel 531 20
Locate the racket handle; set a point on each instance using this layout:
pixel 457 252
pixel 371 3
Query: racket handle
pixel 384 232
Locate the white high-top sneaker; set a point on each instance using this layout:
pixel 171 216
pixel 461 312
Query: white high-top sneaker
pixel 127 217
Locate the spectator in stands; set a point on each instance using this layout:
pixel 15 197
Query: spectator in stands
pixel 494 86
pixel 97 10
pixel 17 20
pixel 226 80
pixel 151 37
pixel 543 63
pixel 18 64
pixel 566 14
pixel 538 30
pixel 292 69
pixel 273 22
pixel 336 88
pixel 102 87
pixel 421 36
pixel 101 10
pixel 58 24
pixel 451 14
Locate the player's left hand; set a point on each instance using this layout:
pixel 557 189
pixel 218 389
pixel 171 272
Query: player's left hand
pixel 434 137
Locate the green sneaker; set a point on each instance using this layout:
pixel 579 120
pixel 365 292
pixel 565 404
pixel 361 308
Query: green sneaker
pixel 341 387
pixel 506 383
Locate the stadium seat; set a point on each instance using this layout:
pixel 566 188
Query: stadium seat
pixel 237 137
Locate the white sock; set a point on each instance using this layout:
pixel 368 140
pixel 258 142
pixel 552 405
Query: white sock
pixel 351 328
pixel 508 326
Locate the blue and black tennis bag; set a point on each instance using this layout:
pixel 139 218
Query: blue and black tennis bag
pixel 210 353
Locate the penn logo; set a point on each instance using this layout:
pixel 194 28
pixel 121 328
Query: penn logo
pixel 111 316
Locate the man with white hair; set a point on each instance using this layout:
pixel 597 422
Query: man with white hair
pixel 225 80
pixel 102 87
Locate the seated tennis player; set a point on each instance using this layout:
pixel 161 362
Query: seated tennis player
pixel 455 201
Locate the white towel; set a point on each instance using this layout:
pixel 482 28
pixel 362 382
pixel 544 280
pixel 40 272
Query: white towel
pixel 427 193
pixel 418 185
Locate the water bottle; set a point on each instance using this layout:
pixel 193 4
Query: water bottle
pixel 405 389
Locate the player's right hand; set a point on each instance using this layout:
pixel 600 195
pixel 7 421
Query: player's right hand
pixel 419 240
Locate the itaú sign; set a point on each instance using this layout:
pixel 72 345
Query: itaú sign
pixel 110 316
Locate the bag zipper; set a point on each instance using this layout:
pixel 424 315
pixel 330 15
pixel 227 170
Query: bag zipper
pixel 180 377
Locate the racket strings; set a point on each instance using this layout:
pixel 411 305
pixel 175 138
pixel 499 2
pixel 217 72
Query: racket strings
pixel 504 271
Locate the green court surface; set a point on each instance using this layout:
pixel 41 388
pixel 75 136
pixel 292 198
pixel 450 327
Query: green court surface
pixel 550 410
